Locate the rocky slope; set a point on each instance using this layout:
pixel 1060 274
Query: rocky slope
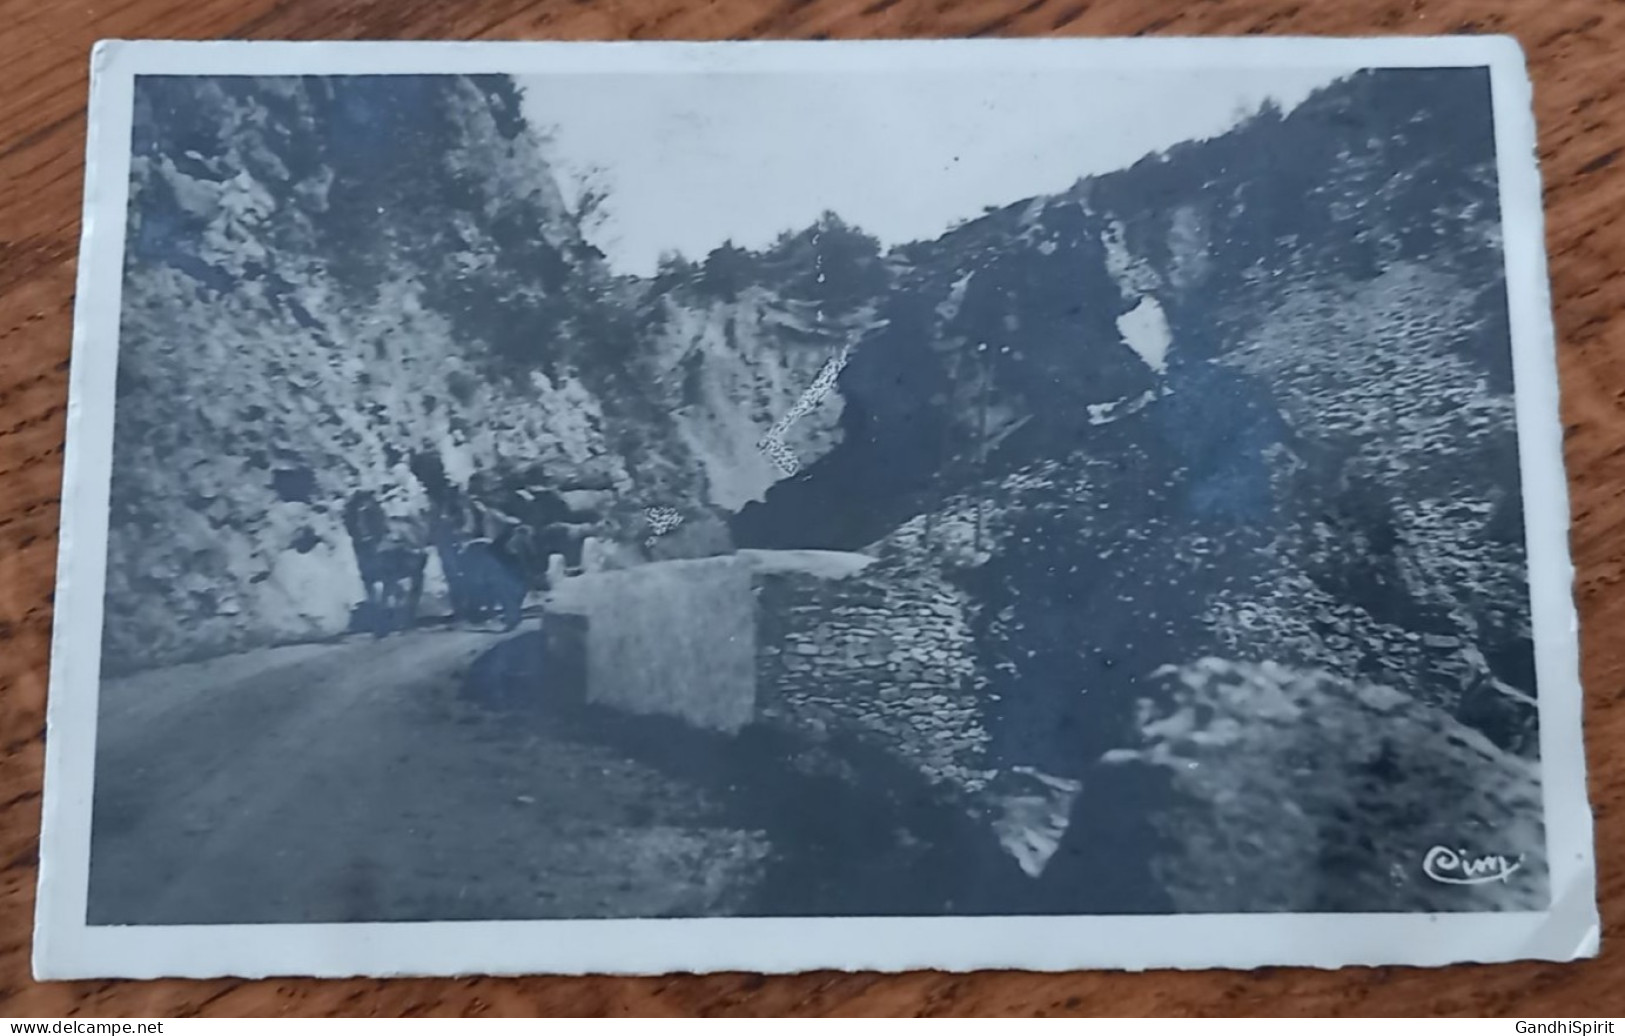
pixel 1277 357
pixel 1298 791
pixel 1248 400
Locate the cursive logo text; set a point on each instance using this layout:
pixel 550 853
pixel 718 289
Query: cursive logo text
pixel 1456 867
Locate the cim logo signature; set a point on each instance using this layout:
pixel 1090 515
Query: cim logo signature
pixel 1458 867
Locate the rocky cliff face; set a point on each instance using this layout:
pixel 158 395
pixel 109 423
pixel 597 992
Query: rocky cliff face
pixel 727 370
pixel 329 277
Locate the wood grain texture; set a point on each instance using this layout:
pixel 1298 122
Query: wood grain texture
pixel 1580 95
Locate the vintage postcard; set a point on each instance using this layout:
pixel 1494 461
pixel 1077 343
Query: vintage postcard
pixel 655 507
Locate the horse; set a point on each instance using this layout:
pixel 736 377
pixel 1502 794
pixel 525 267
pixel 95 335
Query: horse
pixel 493 585
pixel 391 554
pixel 483 578
pixel 494 546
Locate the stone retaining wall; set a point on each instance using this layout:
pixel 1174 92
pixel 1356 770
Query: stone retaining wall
pixel 842 645
pixel 884 654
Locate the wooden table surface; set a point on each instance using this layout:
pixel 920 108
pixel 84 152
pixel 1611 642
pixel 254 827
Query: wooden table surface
pixel 1573 47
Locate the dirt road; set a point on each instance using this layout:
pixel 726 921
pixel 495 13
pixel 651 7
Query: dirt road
pixel 353 781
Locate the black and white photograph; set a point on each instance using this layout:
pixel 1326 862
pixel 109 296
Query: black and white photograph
pixel 997 484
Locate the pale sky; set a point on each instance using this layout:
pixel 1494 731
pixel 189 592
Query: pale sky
pixel 692 160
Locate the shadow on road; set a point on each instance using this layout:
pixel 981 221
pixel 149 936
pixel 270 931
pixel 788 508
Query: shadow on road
pixel 853 830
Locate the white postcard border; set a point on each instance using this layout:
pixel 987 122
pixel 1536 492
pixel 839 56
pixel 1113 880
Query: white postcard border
pixel 65 947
